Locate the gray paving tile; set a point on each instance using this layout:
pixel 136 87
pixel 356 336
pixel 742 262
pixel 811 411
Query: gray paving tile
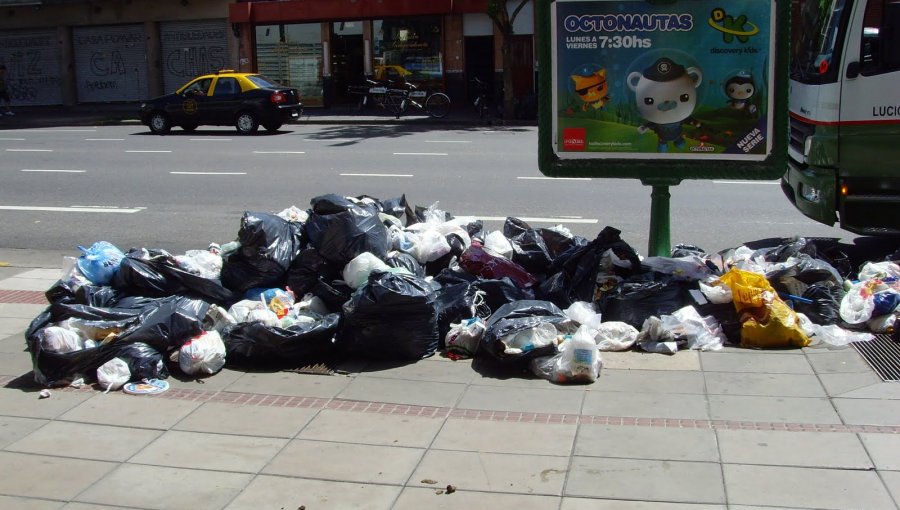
pixel 838 384
pixel 506 437
pixel 649 381
pixel 372 428
pixel 287 383
pixel 276 492
pixel 838 362
pixel 15 364
pixel 772 409
pixel 22 282
pixel 618 504
pixel 20 310
pixel 221 452
pixel 15 326
pixel 14 344
pixel 879 390
pixel 165 488
pixel 756 362
pixel 42 476
pixel 216 382
pixel 28 404
pixel 497 398
pixel 131 411
pixel 892 482
pixel 646 480
pixel 414 498
pixel 635 442
pixel 12 429
pixel 884 449
pixel 638 360
pixel 856 411
pixel 801 449
pixel 86 506
pixel 785 385
pixel 425 370
pixel 247 420
pixel 805 487
pixel 396 391
pixel 48 275
pixel 29 503
pixel 646 405
pixel 385 465
pixel 85 441
pixel 493 472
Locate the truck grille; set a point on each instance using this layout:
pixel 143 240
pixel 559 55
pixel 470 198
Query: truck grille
pixel 799 131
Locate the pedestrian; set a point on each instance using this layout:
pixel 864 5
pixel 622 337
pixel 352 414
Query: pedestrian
pixel 4 91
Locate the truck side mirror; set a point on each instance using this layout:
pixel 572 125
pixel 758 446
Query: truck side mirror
pixel 852 70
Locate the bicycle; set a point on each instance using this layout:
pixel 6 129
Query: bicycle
pixel 436 104
pixel 484 100
pixel 383 94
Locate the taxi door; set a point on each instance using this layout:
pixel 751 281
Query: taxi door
pixel 191 107
pixel 225 100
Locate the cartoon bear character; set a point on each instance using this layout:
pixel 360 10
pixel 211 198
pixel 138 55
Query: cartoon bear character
pixel 665 94
pixel 593 90
pixel 740 90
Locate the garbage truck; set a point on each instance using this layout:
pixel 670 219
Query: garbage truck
pixel 844 149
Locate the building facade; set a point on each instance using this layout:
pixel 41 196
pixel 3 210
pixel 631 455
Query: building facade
pixel 76 51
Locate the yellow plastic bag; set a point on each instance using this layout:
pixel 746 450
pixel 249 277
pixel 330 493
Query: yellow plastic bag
pixel 766 321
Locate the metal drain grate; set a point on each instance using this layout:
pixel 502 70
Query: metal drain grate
pixel 883 355
pixel 316 369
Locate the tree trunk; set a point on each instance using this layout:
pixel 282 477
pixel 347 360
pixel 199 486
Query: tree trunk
pixel 509 96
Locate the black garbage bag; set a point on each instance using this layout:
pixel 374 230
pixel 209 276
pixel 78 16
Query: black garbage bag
pixel 529 249
pixel 826 299
pixel 391 317
pixel 517 317
pixel 168 322
pixel 457 296
pixel 341 229
pixel 255 342
pixel 578 268
pixel 641 296
pixel 395 207
pixel 160 276
pixel 308 268
pixel 143 361
pixel 269 244
pixel 686 250
pixel 404 260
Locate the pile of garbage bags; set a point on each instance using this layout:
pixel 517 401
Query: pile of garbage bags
pixel 380 279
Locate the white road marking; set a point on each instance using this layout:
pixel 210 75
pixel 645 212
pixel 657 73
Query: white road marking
pixel 104 139
pixel 330 139
pixel 94 130
pixel 210 139
pixel 73 209
pixel 554 178
pixel 376 175
pixel 13 139
pixel 562 219
pixel 747 182
pixel 29 150
pixel 48 170
pixel 208 173
pixel 138 152
pixel 278 152
pixel 448 141
pixel 420 154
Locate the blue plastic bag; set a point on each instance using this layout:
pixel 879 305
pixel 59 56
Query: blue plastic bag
pixel 100 262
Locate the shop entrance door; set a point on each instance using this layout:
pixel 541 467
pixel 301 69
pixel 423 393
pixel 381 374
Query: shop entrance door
pixel 479 62
pixel 347 60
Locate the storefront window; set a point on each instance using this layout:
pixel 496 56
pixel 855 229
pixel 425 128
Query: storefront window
pixel 292 55
pixel 409 48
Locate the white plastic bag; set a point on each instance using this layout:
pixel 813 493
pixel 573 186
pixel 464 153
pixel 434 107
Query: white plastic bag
pixel 582 312
pixel 311 303
pixel 702 333
pixel 295 214
pixel 60 340
pixel 252 310
pixel 529 339
pixel 578 360
pixel 879 270
pixel 113 374
pixel 204 354
pixel 464 337
pixel 830 335
pixel 716 292
pixel 201 262
pixel 690 267
pixel 858 303
pixel 356 272
pixel 654 337
pixel 615 336
pixel 883 323
pixel 496 243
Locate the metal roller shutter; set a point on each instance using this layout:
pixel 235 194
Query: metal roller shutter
pixel 191 48
pixel 110 63
pixel 32 62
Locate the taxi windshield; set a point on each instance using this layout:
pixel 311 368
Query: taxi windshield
pixel 820 32
pixel 263 82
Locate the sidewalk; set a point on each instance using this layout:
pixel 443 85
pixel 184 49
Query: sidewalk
pixel 29 117
pixel 736 429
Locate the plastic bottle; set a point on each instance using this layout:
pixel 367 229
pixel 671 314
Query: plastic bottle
pixel 581 353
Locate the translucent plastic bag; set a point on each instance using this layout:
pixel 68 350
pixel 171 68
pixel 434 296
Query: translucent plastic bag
pixel 203 354
pixel 201 262
pixel 464 337
pixel 582 312
pixel 498 244
pixel 113 374
pixel 356 272
pixel 60 340
pixel 578 360
pixel 859 302
pixel 100 262
pixel 615 336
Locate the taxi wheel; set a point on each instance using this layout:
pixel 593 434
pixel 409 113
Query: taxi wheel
pixel 273 127
pixel 160 123
pixel 246 123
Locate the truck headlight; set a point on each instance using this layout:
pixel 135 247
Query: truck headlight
pixel 809 193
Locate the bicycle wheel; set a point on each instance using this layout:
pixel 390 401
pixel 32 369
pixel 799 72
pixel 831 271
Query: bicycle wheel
pixel 393 102
pixel 437 105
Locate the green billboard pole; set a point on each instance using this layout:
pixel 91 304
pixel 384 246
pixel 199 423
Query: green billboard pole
pixel 663 91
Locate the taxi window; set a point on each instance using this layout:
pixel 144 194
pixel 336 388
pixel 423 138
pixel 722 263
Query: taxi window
pixel 199 87
pixel 226 87
pixel 263 82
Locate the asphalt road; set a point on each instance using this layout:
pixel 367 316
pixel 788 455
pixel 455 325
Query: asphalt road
pixel 64 187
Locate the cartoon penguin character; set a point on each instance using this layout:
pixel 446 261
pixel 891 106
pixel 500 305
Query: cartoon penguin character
pixel 666 95
pixel 740 90
pixel 592 90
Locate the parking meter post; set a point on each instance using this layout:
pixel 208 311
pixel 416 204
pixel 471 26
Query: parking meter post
pixel 659 244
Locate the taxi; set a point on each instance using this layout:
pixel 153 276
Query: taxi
pixel 224 98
